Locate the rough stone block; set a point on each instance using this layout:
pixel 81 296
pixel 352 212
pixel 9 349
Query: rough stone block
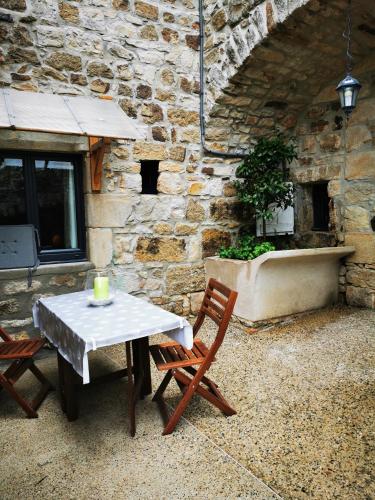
pixel 196 302
pixel 360 297
pixel 146 10
pixel 123 249
pixel 183 229
pixel 100 247
pixel 64 60
pixel 356 219
pixel 63 280
pixel 149 151
pixel 219 19
pixel 69 12
pixel 185 279
pixel 364 244
pixel 361 165
pixel 357 137
pixel 121 4
pixel 359 193
pixel 19 5
pixel 197 188
pixel 170 183
pixel 97 68
pixel 330 142
pixel 10 306
pixel 195 212
pixel 99 86
pixel 177 153
pixel 170 166
pixel 229 189
pixel 160 249
pixel 108 210
pixel 361 276
pixel 151 113
pixel 183 117
pixel 225 209
pixel 159 134
pixel 21 286
pixel 213 240
pixel 163 228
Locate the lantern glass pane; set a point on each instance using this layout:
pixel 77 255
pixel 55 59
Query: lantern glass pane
pixel 355 95
pixel 348 96
pixel 341 94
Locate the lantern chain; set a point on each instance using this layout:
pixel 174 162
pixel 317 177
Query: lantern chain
pixel 347 35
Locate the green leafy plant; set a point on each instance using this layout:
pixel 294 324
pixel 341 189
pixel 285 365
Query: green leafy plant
pixel 246 249
pixel 264 176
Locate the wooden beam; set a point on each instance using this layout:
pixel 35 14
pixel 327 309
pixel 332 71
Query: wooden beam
pixel 97 149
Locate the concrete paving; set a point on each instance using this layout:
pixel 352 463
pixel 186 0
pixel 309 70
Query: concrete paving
pixel 304 393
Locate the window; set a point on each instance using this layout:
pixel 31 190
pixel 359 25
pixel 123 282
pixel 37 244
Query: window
pixel 320 202
pixel 149 174
pixel 45 189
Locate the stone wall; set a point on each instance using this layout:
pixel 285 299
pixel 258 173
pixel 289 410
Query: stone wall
pixel 17 298
pixel 145 55
pixel 342 153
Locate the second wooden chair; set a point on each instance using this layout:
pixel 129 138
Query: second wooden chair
pixel 20 353
pixel 218 304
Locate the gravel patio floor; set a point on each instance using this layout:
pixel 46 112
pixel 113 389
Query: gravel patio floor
pixel 305 397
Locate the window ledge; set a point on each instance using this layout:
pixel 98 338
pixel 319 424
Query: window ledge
pixel 62 268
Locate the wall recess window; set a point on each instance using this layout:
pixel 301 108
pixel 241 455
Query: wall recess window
pixel 45 189
pixel 149 174
pixel 320 202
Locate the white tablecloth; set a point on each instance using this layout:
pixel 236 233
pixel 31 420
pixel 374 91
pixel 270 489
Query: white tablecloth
pixel 75 328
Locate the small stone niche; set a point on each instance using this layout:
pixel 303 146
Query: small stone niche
pixel 149 174
pixel 313 215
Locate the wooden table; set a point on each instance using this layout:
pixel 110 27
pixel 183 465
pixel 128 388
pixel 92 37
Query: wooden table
pixel 76 329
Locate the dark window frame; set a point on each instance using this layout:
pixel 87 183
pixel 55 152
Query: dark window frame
pixel 29 158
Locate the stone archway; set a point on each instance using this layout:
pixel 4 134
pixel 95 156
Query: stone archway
pixel 288 82
pixel 233 29
pixel 292 64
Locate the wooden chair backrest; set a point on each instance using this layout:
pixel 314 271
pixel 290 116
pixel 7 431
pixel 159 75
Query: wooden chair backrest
pixel 218 304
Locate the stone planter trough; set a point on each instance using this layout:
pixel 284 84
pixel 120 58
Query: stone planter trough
pixel 282 282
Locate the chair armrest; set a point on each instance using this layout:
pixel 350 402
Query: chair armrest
pixel 5 336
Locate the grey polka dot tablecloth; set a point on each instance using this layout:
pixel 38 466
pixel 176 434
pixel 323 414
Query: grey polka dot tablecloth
pixel 76 328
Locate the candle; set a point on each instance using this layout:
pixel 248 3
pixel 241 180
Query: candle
pixel 101 288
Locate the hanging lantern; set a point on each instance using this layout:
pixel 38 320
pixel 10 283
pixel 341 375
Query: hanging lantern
pixel 349 87
pixel 348 90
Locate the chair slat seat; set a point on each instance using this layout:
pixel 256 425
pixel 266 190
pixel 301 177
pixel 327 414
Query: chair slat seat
pixel 22 352
pixel 17 349
pixel 218 303
pixel 173 355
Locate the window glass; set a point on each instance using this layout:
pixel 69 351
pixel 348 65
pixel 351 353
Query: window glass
pixel 12 192
pixel 55 186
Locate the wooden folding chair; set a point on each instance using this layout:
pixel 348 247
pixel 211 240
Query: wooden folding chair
pixel 22 352
pixel 218 304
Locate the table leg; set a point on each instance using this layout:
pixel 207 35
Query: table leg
pixel 145 359
pixel 70 382
pixel 60 364
pixel 141 361
pixel 131 389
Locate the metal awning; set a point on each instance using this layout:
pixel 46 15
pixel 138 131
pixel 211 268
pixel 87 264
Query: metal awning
pixel 78 115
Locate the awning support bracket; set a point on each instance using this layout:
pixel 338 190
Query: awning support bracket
pixel 98 146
